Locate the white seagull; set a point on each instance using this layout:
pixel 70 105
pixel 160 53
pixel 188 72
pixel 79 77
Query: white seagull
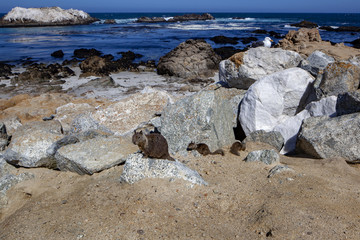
pixel 266 43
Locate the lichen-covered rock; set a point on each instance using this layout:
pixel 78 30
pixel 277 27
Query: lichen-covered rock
pixel 324 137
pixel 205 117
pixel 245 68
pixel 94 155
pixel 338 78
pixel 191 59
pixel 85 122
pixel 137 168
pixel 29 144
pixel 272 138
pixel 266 156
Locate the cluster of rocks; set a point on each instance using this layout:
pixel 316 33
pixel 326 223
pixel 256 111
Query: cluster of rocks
pixel 302 98
pixel 290 101
pixel 179 18
pixel 46 16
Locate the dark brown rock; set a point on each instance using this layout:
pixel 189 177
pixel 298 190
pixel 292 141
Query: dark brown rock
pixel 341 29
pixel 5 70
pixel 110 21
pixel 191 59
pixel 305 24
pixel 58 54
pixel 84 53
pixel 224 40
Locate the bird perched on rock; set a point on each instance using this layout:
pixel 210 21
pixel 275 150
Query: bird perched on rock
pixel 266 43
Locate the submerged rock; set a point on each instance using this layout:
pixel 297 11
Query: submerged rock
pixel 305 24
pixel 137 168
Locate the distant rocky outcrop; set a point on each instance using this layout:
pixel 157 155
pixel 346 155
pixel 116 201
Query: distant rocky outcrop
pixel 305 24
pixel 341 28
pixel 47 16
pixel 225 40
pixel 179 18
pixel 191 59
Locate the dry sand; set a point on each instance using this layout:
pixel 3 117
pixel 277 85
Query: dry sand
pixel 319 200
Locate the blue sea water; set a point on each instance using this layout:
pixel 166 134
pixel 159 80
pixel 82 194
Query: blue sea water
pixel 154 40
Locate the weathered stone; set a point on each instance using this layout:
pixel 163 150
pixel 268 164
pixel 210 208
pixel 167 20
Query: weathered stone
pixel 324 137
pixel 70 139
pixel 66 114
pixel 205 117
pixel 316 62
pixel 29 144
pixel 94 155
pixel 5 70
pixel 4 138
pixel 279 169
pixel 243 69
pixel 137 168
pixel 290 126
pixel 191 59
pixel 266 156
pixel 348 103
pixel 272 138
pixel 85 122
pixel 11 123
pixel 338 78
pixel 125 115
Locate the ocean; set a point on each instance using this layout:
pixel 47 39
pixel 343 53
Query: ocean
pixel 153 40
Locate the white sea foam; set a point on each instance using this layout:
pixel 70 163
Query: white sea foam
pixel 53 14
pixel 289 26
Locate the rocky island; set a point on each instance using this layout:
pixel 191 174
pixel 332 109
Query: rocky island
pixel 47 16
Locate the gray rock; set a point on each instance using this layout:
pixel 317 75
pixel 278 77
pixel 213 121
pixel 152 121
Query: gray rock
pixel 279 169
pixel 191 59
pixel 71 139
pixel 4 138
pixel 29 144
pixel 324 137
pixel 272 138
pixel 266 156
pixel 137 168
pixel 316 62
pixel 85 122
pixel 8 181
pixel 339 78
pixel 348 103
pixel 205 117
pixel 94 155
pixel 11 123
pixel 255 64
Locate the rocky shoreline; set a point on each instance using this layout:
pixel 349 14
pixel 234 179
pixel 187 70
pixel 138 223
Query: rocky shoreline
pixel 298 99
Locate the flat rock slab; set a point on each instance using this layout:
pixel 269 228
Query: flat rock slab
pixel 137 168
pixel 94 155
